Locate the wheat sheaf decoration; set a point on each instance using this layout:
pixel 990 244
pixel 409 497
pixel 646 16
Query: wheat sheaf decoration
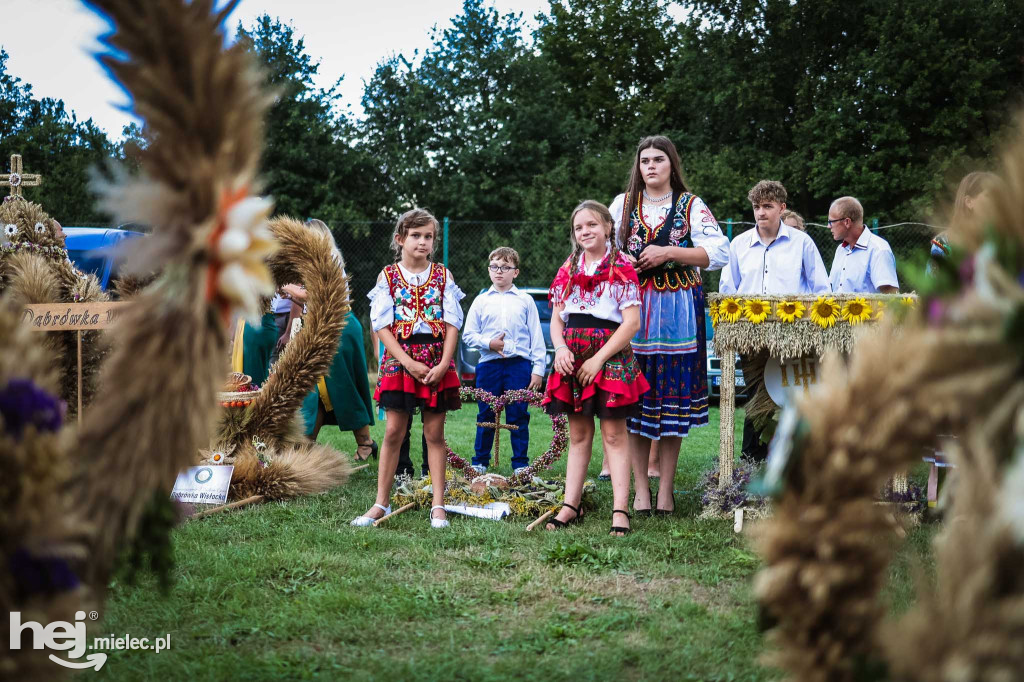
pixel 955 369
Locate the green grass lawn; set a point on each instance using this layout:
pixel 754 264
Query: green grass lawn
pixel 291 591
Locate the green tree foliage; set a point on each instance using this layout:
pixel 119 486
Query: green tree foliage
pixel 54 144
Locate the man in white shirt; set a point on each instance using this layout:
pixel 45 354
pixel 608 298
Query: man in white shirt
pixel 864 262
pixel 771 259
pixel 503 324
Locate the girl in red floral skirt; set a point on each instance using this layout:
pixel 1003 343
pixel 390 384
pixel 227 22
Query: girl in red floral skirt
pixel 596 311
pixel 416 313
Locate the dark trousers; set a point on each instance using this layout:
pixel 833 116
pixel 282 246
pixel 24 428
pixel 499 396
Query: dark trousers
pixel 497 376
pixel 404 459
pixel 752 447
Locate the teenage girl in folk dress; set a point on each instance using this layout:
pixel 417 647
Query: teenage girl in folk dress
pixel 416 313
pixel 596 311
pixel 670 235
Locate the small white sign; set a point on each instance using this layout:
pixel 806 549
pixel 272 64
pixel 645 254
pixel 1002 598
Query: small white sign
pixel 203 484
pixel 786 378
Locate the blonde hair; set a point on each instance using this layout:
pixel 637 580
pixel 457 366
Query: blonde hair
pixel 320 226
pixel 605 216
pixel 797 218
pixel 971 186
pixel 505 253
pixel 417 217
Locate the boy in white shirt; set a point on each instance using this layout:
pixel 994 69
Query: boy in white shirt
pixel 503 324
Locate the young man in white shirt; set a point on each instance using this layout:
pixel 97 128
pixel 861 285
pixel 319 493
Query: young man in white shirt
pixel 503 324
pixel 771 259
pixel 864 262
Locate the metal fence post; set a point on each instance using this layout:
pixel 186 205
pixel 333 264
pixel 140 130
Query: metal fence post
pixel 874 225
pixel 728 228
pixel 445 247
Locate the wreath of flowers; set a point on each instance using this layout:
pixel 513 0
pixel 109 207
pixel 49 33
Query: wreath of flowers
pixel 559 442
pixel 31 247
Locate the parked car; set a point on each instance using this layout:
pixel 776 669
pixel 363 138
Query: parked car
pixel 715 366
pixel 466 357
pixel 92 250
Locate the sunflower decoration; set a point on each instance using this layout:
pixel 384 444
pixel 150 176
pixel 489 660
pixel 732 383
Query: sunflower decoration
pixel 730 309
pixel 790 311
pixel 713 310
pixel 879 310
pixel 756 310
pixel 856 311
pixel 824 312
pixel 908 301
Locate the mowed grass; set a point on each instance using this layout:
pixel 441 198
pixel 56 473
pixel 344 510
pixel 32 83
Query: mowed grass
pixel 291 591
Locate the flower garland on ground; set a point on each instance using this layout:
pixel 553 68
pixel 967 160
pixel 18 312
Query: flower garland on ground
pixel 559 442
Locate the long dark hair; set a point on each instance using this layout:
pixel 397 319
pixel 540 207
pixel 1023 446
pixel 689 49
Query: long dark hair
pixel 636 183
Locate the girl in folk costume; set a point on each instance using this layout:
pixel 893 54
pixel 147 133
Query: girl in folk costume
pixel 596 310
pixel 416 313
pixel 670 235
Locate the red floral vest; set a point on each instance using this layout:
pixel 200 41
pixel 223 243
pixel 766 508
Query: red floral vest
pixel 424 302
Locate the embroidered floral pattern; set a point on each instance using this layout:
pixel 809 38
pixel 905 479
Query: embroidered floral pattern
pixel 412 303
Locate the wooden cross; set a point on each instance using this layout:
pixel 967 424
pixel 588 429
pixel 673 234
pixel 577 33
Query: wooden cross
pixel 16 179
pixel 497 426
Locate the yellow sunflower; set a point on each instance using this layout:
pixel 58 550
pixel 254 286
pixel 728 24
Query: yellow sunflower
pixel 713 309
pixel 879 310
pixel 824 312
pixel 756 310
pixel 856 311
pixel 909 301
pixel 730 309
pixel 790 311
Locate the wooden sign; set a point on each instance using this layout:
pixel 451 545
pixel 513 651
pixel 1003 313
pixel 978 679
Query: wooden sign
pixel 74 317
pixel 60 317
pixel 786 378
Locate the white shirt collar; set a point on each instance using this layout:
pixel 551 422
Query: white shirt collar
pixel 785 232
pixel 511 290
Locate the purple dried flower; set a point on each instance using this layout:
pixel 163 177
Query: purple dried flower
pixel 22 403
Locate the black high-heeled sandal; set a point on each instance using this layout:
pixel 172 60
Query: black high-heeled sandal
pixel 667 512
pixel 373 451
pixel 645 512
pixel 620 529
pixel 562 524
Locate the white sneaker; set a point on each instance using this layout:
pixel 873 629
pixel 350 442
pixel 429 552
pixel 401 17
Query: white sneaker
pixel 479 468
pixel 520 470
pixel 368 520
pixel 438 523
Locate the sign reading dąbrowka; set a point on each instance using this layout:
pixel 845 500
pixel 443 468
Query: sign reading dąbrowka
pixel 55 317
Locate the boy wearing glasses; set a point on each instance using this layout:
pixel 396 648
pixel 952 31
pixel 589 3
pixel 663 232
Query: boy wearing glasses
pixel 503 324
pixel 864 262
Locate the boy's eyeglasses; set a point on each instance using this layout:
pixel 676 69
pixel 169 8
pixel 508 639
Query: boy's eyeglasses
pixel 500 268
pixel 835 220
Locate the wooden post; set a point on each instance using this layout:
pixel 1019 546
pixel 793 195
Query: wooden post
pixel 394 513
pixel 234 505
pixel 543 517
pixel 79 334
pixel 727 417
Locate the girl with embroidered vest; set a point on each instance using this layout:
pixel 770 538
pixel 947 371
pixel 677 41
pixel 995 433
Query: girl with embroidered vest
pixel 670 234
pixel 596 310
pixel 416 313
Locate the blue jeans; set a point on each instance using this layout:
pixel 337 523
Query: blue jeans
pixel 497 376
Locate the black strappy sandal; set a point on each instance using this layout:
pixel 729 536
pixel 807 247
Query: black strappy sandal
pixel 667 512
pixel 562 524
pixel 620 529
pixel 373 451
pixel 645 512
